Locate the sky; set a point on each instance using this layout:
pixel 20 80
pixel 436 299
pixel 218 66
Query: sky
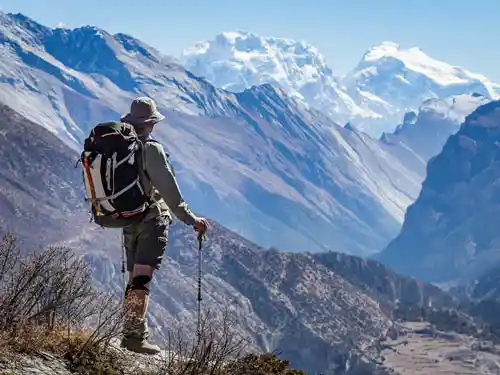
pixel 459 32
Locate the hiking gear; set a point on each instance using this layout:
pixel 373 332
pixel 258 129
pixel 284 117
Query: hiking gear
pixel 140 346
pixel 145 241
pixel 124 281
pixel 111 166
pixel 200 240
pixel 135 329
pixel 143 111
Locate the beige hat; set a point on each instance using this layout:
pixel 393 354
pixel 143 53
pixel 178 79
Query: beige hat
pixel 143 112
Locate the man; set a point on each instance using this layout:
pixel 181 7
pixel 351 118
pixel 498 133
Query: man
pixel 145 242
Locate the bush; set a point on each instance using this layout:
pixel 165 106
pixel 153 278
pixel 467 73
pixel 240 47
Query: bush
pixel 49 306
pixel 264 364
pixel 47 303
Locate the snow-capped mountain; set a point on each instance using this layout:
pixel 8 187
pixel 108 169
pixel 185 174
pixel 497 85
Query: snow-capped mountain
pixel 258 161
pixel 239 60
pixel 388 81
pixel 391 80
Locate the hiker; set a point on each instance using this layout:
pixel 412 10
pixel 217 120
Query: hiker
pixel 146 240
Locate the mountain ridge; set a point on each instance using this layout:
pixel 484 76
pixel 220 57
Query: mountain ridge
pixel 372 95
pixel 307 191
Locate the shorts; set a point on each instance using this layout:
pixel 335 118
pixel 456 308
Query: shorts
pixel 146 241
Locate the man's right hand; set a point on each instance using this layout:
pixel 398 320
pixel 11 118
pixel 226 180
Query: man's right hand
pixel 201 225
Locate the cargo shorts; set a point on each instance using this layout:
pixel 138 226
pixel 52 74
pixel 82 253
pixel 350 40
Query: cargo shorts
pixel 146 241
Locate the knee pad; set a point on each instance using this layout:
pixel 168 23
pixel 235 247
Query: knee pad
pixel 141 282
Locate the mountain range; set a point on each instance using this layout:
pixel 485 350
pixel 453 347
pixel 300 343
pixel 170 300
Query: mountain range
pixel 322 311
pixel 273 173
pixel 273 168
pixel 319 310
pixel 388 81
pixel 278 172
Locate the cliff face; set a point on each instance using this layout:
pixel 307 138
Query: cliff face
pixel 451 230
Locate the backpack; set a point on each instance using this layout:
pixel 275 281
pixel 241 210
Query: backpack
pixel 111 169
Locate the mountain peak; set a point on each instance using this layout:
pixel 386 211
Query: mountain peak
pixel 415 60
pixel 384 47
pixel 235 34
pixel 388 49
pixel 33 25
pixel 389 68
pixel 238 60
pixel 247 44
pixel 19 17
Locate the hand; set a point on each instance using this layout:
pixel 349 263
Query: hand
pixel 201 225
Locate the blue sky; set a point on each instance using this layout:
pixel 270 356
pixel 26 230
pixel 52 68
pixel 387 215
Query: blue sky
pixel 460 32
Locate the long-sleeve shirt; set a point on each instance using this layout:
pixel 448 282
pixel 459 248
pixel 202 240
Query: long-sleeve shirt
pixel 160 183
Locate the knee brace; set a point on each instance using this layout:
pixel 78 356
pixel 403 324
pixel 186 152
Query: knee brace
pixel 140 282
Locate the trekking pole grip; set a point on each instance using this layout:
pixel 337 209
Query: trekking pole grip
pixel 201 238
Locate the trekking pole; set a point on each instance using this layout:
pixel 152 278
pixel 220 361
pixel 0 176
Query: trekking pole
pixel 200 240
pixel 124 282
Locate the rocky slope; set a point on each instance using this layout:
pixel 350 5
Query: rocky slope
pixel 38 181
pixel 388 81
pixel 299 304
pixel 258 161
pixel 451 230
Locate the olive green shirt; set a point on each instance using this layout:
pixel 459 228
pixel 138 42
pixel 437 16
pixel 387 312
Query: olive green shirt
pixel 158 178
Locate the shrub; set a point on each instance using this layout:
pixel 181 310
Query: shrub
pixel 48 305
pixel 47 302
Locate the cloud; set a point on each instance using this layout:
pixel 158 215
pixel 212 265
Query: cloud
pixel 61 25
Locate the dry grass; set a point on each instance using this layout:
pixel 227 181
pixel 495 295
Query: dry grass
pixel 48 305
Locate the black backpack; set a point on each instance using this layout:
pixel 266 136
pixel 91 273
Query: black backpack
pixel 111 165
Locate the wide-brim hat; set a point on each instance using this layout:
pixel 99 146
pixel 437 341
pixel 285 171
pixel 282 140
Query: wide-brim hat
pixel 143 111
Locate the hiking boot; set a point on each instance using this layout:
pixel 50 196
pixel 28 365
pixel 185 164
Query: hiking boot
pixel 139 345
pixel 135 328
